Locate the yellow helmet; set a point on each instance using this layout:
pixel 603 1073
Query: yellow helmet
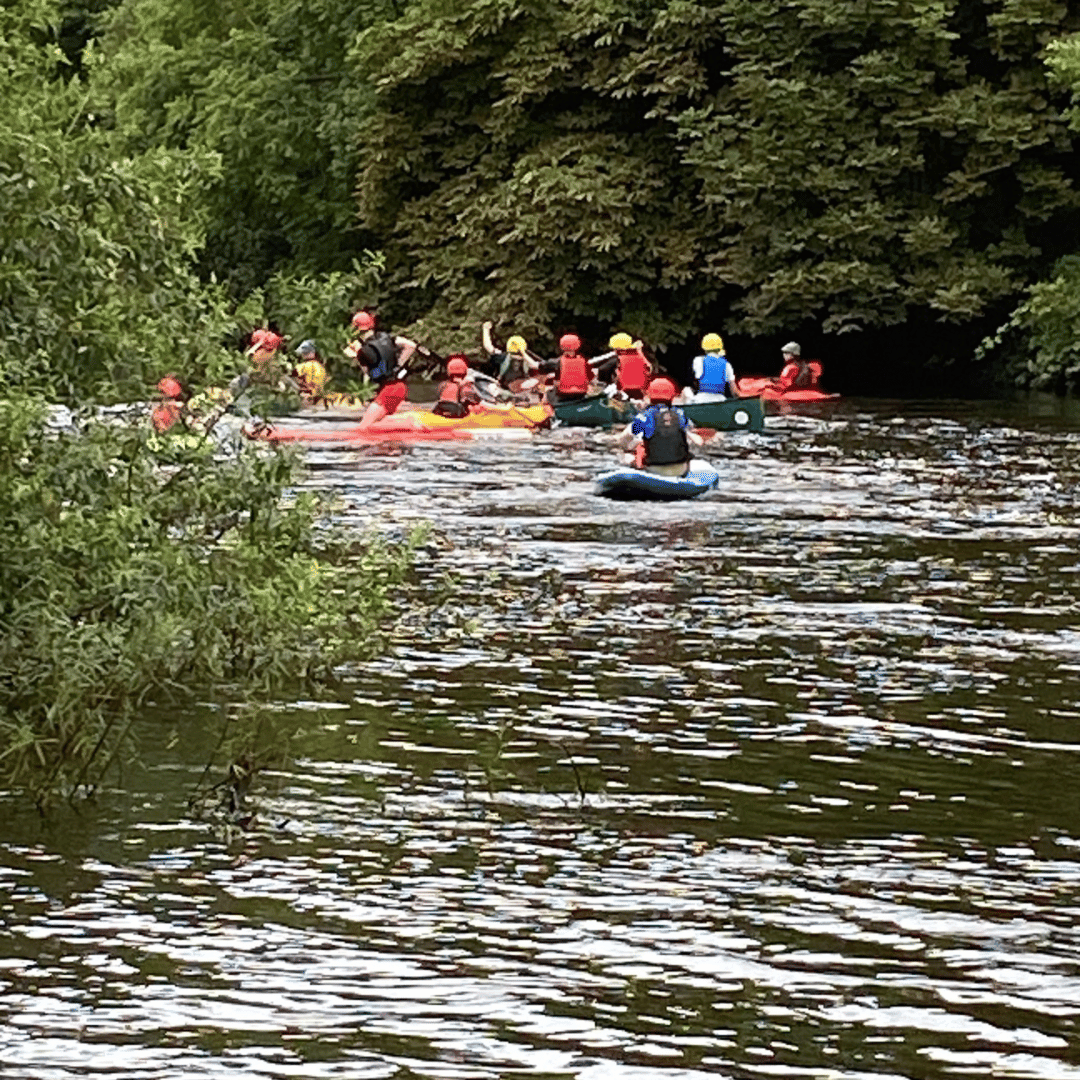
pixel 516 344
pixel 712 343
pixel 621 341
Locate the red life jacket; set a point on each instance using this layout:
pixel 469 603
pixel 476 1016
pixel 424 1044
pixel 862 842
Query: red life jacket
pixel 574 374
pixel 633 373
pixel 454 396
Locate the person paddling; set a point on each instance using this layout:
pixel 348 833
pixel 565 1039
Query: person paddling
pixel 797 373
pixel 662 434
pixel 513 364
pixel 632 368
pixel 458 392
pixel 713 373
pixel 383 357
pixel 573 372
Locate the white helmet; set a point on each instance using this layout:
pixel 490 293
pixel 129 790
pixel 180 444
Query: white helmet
pixel 793 348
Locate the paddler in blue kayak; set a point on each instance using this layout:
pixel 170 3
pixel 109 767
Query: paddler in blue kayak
pixel 662 434
pixel 713 373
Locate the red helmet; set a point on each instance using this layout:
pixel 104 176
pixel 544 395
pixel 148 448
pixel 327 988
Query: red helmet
pixel 457 365
pixel 570 343
pixel 364 320
pixel 258 336
pixel 662 390
pixel 170 387
pixel 271 341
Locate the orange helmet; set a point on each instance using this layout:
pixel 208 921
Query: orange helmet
pixel 170 387
pixel 364 320
pixel 570 343
pixel 662 390
pixel 457 365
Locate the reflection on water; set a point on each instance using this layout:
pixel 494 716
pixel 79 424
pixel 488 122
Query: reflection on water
pixel 780 783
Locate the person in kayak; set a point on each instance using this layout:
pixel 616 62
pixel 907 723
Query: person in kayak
pixel 309 372
pixel 797 373
pixel 264 356
pixel 514 363
pixel 632 369
pixel 383 358
pixel 714 376
pixel 457 393
pixel 661 434
pixel 573 372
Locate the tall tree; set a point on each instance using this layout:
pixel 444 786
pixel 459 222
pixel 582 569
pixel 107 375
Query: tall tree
pixel 96 246
pixel 778 162
pixel 264 86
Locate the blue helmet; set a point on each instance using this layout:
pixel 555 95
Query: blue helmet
pixel 306 347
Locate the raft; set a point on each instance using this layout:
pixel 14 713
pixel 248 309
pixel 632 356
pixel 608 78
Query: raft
pixel 736 414
pixel 631 483
pixel 417 425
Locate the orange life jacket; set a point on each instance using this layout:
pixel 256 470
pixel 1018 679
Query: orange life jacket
pixel 633 373
pixel 574 374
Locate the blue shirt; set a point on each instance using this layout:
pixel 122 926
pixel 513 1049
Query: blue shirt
pixel 644 424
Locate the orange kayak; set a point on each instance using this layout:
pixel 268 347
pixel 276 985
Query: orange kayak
pixel 419 425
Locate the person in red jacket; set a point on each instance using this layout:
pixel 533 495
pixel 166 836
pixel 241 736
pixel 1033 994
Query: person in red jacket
pixel 573 372
pixel 634 372
pixel 457 393
pixel 797 373
pixel 384 358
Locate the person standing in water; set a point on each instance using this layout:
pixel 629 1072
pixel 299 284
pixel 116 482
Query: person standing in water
pixel 383 357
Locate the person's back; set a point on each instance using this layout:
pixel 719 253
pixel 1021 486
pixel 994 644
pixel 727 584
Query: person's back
pixel 457 393
pixel 713 372
pixel 573 373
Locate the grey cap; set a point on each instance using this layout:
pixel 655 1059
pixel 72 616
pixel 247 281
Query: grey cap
pixel 305 347
pixel 793 348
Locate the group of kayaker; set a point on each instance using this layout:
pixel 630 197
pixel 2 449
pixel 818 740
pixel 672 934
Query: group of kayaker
pixel 660 436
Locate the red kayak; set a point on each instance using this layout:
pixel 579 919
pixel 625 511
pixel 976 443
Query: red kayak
pixel 768 389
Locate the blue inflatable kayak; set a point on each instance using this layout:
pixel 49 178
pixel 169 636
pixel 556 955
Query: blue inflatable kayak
pixel 631 483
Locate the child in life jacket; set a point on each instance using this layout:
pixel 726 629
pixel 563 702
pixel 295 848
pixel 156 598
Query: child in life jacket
pixel 632 369
pixel 266 364
pixel 573 372
pixel 383 358
pixel 713 371
pixel 797 373
pixel 662 434
pixel 512 365
pixel 458 392
pixel 309 373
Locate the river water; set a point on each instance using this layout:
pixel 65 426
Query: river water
pixel 778 783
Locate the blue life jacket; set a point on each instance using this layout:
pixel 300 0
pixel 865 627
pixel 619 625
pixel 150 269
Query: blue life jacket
pixel 713 374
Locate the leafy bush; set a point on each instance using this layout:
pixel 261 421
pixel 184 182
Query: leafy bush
pixel 136 567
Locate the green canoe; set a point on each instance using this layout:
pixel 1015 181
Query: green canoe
pixel 599 411
pixel 739 414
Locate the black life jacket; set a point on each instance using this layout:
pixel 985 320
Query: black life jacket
pixel 805 377
pixel 451 402
pixel 668 444
pixel 379 355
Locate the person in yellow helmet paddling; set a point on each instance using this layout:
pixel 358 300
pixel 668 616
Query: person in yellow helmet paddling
pixel 512 364
pixel 713 374
pixel 633 370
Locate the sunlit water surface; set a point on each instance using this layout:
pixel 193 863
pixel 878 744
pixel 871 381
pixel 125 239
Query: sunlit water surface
pixel 778 783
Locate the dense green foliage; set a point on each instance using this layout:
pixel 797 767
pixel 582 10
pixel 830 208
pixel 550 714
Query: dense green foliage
pixel 1041 342
pixel 263 87
pixel 139 567
pixel 761 163
pixel 96 282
